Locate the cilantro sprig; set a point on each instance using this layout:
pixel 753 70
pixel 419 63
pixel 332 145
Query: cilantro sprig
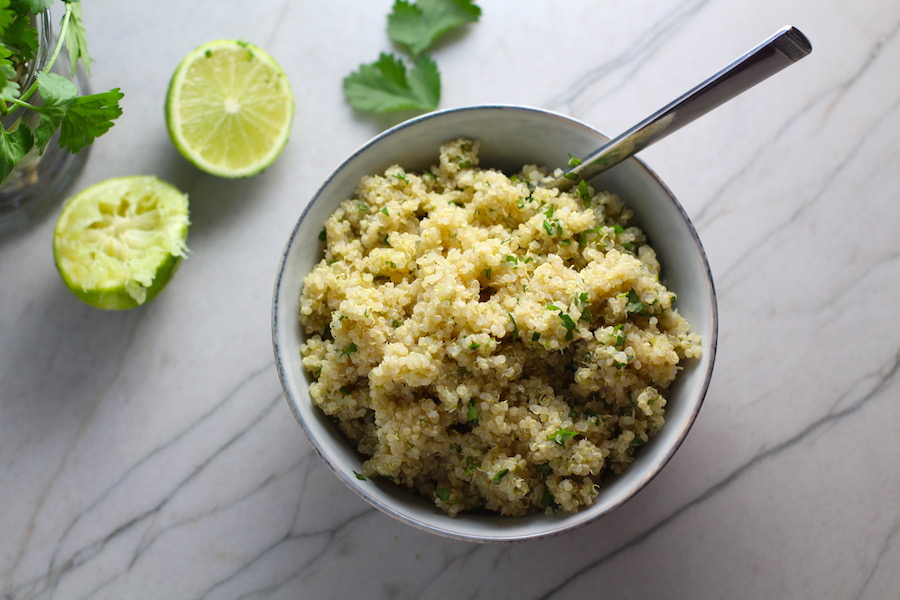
pixel 79 119
pixel 387 84
pixel 417 26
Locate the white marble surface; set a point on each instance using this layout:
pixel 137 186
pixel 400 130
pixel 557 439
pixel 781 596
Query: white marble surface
pixel 150 454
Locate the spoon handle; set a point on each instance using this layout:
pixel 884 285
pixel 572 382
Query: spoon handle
pixel 785 47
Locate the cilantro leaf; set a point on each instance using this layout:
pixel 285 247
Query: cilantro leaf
pixel 57 94
pixel 385 86
pixel 9 89
pixel 417 26
pixel 17 34
pixel 89 117
pixel 76 38
pixel 33 6
pixel 13 146
pixel 7 14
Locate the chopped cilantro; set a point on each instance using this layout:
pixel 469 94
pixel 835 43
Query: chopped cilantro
pixel 322 235
pixel 634 305
pixel 350 349
pixel 568 323
pixel 498 477
pixel 584 193
pixel 443 494
pixel 544 469
pixel 385 212
pixel 547 498
pixel 548 227
pixel 472 412
pixel 562 436
pixel 359 476
pixel 574 161
pixel 474 346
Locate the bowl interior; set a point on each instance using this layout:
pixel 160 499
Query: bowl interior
pixel 510 136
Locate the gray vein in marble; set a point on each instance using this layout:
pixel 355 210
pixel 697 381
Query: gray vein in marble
pixel 57 570
pixel 731 275
pixel 888 541
pixel 852 287
pixel 82 427
pixel 884 377
pixel 627 63
pixel 328 534
pixel 836 93
pixel 874 54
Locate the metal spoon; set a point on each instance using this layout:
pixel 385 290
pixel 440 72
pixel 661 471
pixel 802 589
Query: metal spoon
pixel 785 47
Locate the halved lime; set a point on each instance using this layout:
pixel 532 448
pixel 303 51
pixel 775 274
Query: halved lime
pixel 118 243
pixel 229 108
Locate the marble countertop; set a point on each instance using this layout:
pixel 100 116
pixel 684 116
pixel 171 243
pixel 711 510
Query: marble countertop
pixel 150 453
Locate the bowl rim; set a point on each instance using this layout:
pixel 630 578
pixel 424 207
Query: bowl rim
pixel 658 463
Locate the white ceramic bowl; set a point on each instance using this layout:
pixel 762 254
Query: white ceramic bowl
pixel 510 136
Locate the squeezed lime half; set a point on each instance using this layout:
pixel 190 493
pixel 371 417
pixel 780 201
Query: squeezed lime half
pixel 229 108
pixel 118 243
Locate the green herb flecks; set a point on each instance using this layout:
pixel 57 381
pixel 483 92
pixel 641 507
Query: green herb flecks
pixel 442 494
pixel 547 498
pixel 359 476
pixel 562 436
pixel 472 412
pixel 584 193
pixel 633 304
pixel 567 322
pixel 515 331
pixel 499 475
pixel 348 350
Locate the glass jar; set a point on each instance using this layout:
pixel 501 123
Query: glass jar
pixel 39 180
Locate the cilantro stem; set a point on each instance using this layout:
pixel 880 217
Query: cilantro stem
pixel 60 40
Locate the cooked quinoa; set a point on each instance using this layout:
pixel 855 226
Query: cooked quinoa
pixel 487 342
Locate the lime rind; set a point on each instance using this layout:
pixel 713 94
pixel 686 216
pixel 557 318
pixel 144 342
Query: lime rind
pixel 229 109
pixel 119 242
